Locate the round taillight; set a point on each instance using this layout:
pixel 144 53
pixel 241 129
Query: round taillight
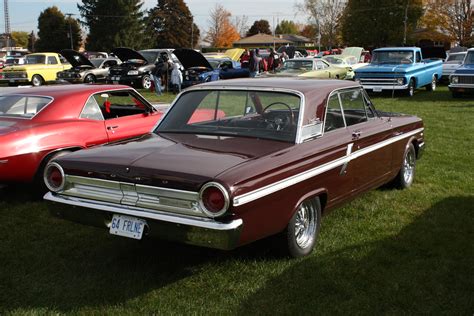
pixel 54 177
pixel 214 199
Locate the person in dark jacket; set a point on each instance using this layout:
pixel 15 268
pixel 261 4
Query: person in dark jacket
pixel 254 63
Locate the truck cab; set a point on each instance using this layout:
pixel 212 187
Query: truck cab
pixel 462 79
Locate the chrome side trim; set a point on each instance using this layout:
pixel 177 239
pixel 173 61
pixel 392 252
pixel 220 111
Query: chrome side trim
pixel 285 183
pixel 132 211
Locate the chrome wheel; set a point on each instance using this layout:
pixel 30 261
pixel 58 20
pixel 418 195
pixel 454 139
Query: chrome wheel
pixel 89 79
pixel 411 88
pixel 36 81
pixel 146 82
pixel 305 224
pixel 409 166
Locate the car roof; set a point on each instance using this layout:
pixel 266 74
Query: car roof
pixel 65 90
pixel 395 48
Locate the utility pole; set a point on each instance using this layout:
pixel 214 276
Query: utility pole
pixel 69 15
pixel 7 22
pixel 405 22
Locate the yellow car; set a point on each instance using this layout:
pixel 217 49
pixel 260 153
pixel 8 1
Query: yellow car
pixel 38 69
pixel 233 53
pixel 308 67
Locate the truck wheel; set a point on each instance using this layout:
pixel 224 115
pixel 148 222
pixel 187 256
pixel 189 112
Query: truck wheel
pixel 411 88
pixel 37 81
pixel 432 85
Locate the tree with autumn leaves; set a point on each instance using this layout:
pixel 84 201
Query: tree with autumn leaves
pixel 221 33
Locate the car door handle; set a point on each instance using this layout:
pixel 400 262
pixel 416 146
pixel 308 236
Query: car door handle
pixel 355 134
pixel 397 133
pixel 110 128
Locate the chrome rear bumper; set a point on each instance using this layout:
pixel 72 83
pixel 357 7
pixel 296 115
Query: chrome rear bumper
pixel 186 229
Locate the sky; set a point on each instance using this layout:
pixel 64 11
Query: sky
pixel 24 13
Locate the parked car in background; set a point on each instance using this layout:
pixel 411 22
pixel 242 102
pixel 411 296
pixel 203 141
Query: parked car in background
pixel 84 70
pixel 37 125
pixel 451 63
pixel 12 61
pixel 347 62
pixel 38 69
pixel 228 68
pixel 92 55
pixel 399 68
pixel 136 66
pixel 232 53
pixel 462 79
pixel 311 68
pixel 196 68
pixel 276 154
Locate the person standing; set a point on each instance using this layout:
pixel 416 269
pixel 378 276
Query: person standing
pixel 157 72
pixel 244 59
pixel 254 63
pixel 176 78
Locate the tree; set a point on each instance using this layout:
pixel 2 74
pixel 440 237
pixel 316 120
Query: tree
pixel 326 14
pixel 286 27
pixel 113 23
pixel 451 17
pixel 171 24
pixel 376 23
pixel 20 38
pixel 221 32
pixel 310 31
pixel 241 24
pixel 32 42
pixel 53 31
pixel 260 26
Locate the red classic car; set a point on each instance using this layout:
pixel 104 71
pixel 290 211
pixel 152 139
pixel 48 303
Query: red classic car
pixel 38 124
pixel 277 154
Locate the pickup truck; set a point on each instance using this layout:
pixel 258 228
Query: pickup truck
pixel 38 69
pixel 462 80
pixel 399 68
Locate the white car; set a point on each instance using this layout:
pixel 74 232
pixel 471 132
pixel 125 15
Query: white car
pixel 451 63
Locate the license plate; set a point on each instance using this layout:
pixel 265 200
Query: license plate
pixel 377 89
pixel 115 82
pixel 127 226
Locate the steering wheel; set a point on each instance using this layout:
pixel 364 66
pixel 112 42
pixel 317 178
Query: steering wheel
pixel 279 121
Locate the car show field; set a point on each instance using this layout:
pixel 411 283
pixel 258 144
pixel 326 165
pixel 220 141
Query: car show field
pixel 386 252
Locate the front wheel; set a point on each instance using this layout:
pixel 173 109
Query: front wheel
pixel 411 88
pixel 146 82
pixel 37 81
pixel 406 175
pixel 303 229
pixel 90 78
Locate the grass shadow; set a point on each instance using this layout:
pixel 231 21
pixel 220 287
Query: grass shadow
pixel 426 268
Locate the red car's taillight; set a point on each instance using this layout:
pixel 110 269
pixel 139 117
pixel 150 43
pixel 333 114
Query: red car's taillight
pixel 214 199
pixel 54 177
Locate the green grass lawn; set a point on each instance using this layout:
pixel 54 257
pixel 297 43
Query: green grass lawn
pixel 387 252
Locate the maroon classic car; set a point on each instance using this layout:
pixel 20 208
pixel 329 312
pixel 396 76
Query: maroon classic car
pixel 38 124
pixel 277 153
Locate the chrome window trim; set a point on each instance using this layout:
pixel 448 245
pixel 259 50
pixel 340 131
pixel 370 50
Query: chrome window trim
pixel 298 137
pixel 29 95
pixel 305 175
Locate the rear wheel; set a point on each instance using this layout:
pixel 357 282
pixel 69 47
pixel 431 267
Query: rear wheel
pixel 406 175
pixel 302 231
pixel 90 78
pixel 432 85
pixel 37 80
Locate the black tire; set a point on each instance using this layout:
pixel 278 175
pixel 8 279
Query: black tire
pixel 432 85
pixel 406 175
pixel 90 78
pixel 411 88
pixel 146 82
pixel 301 234
pixel 37 81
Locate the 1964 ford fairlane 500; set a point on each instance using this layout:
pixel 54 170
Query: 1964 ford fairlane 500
pixel 277 154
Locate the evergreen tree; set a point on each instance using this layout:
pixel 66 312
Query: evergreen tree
pixel 53 31
pixel 260 26
pixel 113 23
pixel 376 23
pixel 286 27
pixel 171 24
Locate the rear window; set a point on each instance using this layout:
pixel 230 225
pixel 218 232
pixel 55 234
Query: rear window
pixel 21 105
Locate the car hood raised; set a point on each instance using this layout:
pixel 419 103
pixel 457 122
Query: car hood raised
pixel 235 53
pixel 189 58
pixel 180 161
pixel 76 59
pixel 124 54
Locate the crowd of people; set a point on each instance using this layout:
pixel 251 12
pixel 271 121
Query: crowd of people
pixel 257 64
pixel 166 71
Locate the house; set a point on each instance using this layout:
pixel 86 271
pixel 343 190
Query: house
pixel 261 40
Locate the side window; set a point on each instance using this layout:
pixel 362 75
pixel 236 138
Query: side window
pixel 418 57
pixel 334 115
pixel 115 104
pixel 354 105
pixel 92 111
pixel 52 60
